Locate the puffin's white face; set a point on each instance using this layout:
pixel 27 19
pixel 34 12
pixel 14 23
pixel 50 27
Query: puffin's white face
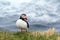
pixel 24 17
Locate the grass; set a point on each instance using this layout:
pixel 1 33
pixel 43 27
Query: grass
pixel 27 36
pixel 47 35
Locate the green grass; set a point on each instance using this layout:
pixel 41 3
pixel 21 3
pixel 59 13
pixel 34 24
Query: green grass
pixel 26 36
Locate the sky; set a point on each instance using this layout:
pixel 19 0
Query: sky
pixel 46 8
pixel 46 11
pixel 18 1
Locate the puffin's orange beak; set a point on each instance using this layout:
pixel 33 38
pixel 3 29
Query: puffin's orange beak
pixel 25 18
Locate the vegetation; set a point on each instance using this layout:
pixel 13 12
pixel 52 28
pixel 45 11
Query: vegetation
pixel 28 36
pixel 46 35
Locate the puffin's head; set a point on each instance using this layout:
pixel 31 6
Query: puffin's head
pixel 23 16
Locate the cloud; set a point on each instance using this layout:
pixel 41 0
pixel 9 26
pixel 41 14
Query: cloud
pixel 40 9
pixel 18 1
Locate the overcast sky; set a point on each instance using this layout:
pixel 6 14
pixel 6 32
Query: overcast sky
pixel 18 1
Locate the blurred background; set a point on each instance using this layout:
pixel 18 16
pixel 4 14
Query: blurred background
pixel 42 14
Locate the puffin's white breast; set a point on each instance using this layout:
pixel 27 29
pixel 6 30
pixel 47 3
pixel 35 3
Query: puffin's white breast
pixel 21 24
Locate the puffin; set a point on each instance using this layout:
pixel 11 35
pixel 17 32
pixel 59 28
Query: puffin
pixel 22 23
